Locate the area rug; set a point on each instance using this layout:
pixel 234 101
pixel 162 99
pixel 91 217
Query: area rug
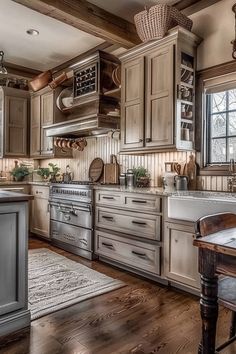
pixel 56 282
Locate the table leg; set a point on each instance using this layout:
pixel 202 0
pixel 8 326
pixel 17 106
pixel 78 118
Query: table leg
pixel 209 314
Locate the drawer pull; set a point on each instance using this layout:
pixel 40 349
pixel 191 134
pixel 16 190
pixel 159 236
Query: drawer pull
pixel 107 197
pixel 142 255
pixel 110 218
pixel 108 245
pixel 140 223
pixel 139 201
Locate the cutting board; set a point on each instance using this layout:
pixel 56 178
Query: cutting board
pixel 96 169
pixel 111 171
pixel 190 170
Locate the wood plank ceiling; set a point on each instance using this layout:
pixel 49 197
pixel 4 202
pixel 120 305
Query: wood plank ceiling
pixel 97 21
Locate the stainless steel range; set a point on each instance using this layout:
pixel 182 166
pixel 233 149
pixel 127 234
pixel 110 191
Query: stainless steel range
pixel 71 217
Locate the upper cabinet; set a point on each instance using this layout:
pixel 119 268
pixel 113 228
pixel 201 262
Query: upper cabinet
pixel 14 109
pixel 45 112
pixel 157 97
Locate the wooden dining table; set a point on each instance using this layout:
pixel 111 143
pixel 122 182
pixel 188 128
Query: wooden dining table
pixel 217 256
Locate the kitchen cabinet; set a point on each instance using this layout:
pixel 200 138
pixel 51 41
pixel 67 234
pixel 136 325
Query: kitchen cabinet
pixel 181 257
pixel 40 211
pixel 157 95
pixel 14 313
pixel 44 112
pixel 128 231
pixel 14 109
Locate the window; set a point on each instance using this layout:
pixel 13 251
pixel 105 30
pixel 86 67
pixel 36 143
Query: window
pixel 221 126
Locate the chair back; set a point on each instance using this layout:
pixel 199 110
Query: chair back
pixel 214 223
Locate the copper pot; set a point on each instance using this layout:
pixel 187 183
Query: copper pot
pixel 40 81
pixel 58 80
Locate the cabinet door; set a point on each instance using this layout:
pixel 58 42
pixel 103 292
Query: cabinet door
pixel 132 103
pixel 40 217
pixel 16 115
pixel 13 257
pixel 159 97
pixel 47 112
pixel 181 257
pixel 35 127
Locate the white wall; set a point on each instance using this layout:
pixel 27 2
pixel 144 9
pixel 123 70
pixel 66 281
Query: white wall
pixel 215 25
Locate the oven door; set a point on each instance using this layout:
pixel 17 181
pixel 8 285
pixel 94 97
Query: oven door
pixel 78 214
pixel 72 235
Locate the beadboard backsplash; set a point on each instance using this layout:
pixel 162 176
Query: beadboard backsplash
pixel 104 147
pixel 155 163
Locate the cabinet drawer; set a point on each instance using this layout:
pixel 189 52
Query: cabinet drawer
pixel 137 224
pixel 109 198
pixel 136 201
pixel 136 254
pixel 143 202
pixel 40 191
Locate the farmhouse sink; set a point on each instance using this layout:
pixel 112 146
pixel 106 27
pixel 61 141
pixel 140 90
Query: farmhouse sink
pixel 190 206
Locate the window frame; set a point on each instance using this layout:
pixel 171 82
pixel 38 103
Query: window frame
pixel 203 76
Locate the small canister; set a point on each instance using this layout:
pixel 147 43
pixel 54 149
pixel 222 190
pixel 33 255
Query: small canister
pixel 122 179
pixel 130 178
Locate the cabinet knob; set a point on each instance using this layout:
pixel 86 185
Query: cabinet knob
pixel 148 140
pixel 140 140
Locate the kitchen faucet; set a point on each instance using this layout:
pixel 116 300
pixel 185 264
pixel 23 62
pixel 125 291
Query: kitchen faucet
pixel 231 181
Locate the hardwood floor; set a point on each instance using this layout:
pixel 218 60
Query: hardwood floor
pixel 142 317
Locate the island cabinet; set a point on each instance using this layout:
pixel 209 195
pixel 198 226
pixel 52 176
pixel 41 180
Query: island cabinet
pixel 180 256
pixel 14 313
pixel 40 211
pixel 14 112
pixel 44 111
pixel 128 231
pixel 157 94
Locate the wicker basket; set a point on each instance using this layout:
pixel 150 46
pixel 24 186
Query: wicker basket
pixel 155 22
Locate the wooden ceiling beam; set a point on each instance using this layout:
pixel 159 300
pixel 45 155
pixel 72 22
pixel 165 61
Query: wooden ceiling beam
pixel 18 70
pixel 88 18
pixel 189 7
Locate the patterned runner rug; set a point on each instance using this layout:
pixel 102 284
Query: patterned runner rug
pixel 56 282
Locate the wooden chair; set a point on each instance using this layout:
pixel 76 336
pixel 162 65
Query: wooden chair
pixel 226 285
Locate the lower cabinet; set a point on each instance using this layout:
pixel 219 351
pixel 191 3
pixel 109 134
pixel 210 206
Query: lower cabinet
pixel 136 254
pixel 180 256
pixel 128 231
pixel 40 211
pixel 14 313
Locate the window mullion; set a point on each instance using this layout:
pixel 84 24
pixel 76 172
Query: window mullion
pixel 227 126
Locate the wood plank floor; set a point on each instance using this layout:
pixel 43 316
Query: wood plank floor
pixel 142 317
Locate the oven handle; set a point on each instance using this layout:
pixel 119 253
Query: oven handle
pixel 71 209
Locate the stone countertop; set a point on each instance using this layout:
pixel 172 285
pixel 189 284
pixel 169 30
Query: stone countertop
pixel 24 183
pixel 116 188
pixel 9 197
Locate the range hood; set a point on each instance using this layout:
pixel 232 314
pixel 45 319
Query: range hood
pixel 91 125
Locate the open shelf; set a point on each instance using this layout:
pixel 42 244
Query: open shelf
pixel 182 83
pixel 187 102
pixel 186 120
pixel 185 67
pixel 113 93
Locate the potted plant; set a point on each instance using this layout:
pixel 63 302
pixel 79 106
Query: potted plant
pixel 19 172
pixel 54 172
pixel 43 172
pixel 141 176
pixel 49 172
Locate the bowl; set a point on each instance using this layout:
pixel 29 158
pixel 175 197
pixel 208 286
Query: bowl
pixel 67 101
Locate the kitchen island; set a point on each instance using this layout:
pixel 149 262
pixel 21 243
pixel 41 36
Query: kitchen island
pixel 14 313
